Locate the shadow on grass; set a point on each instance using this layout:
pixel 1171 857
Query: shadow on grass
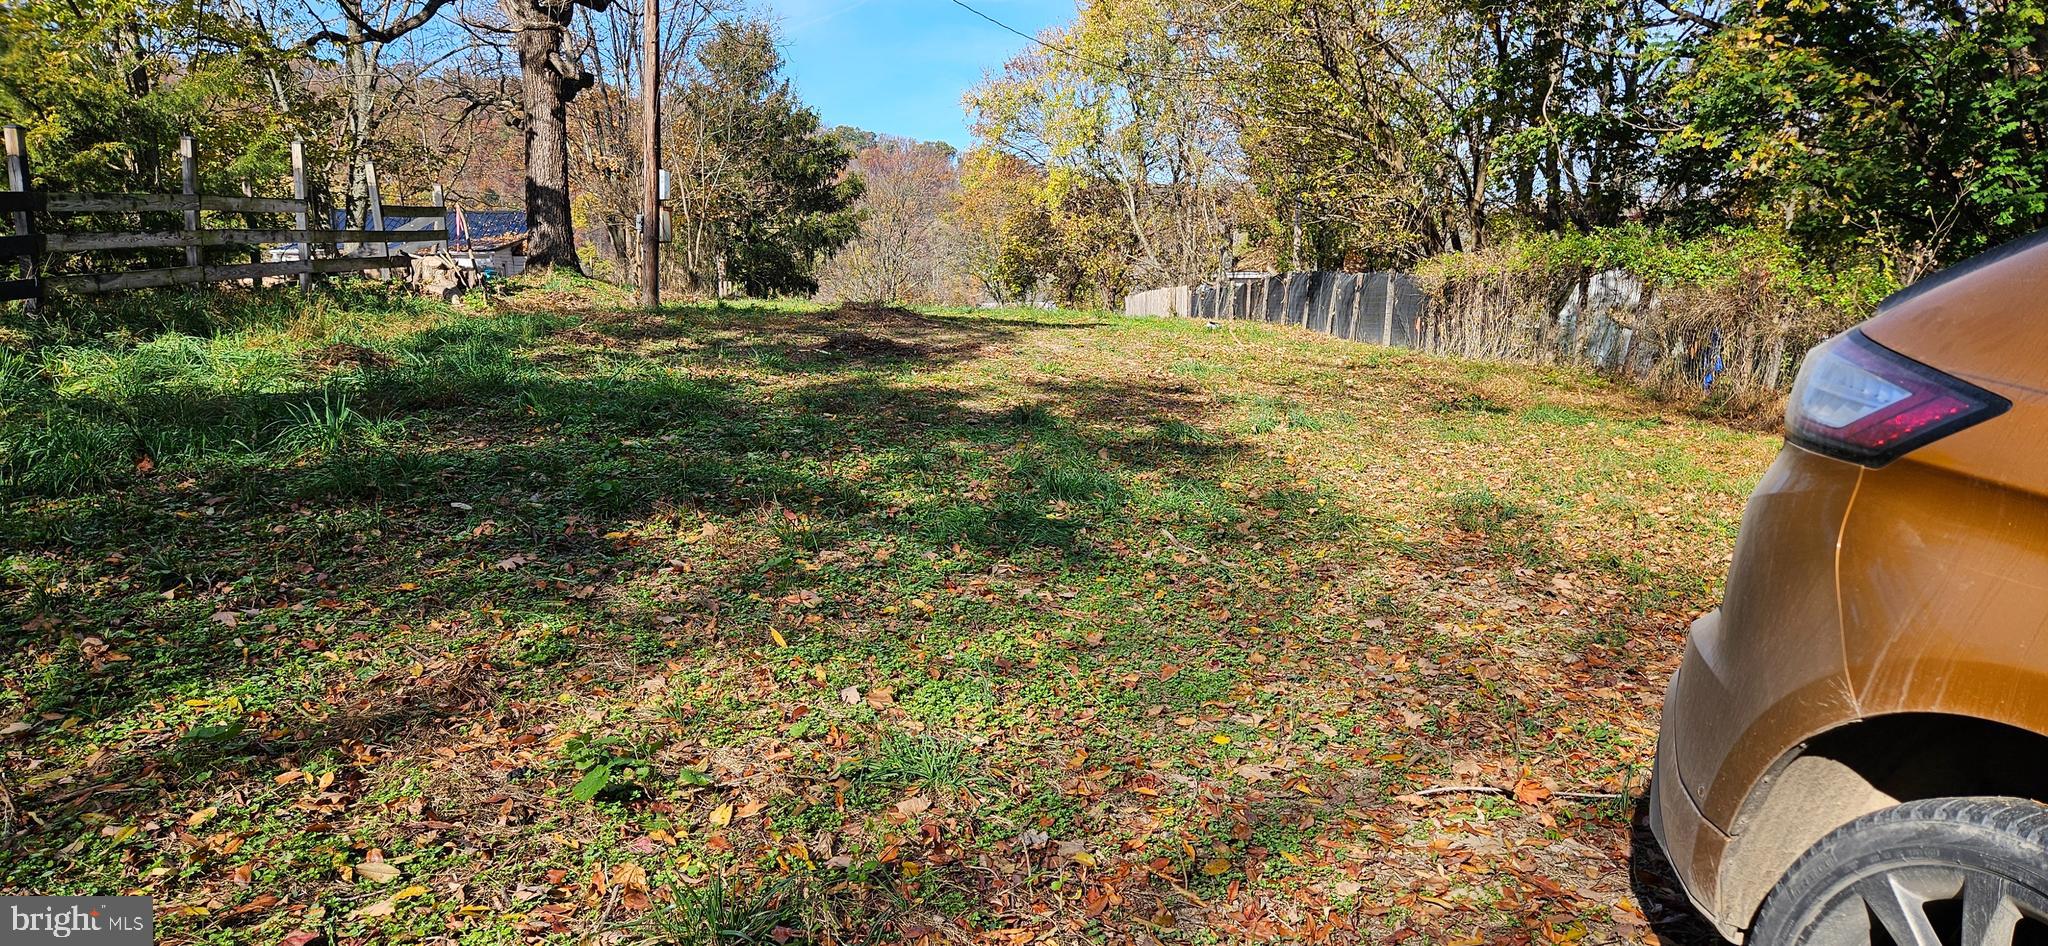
pixel 1657 890
pixel 471 483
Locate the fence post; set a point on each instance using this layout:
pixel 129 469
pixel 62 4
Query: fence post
pixel 24 220
pixel 188 164
pixel 441 245
pixel 376 221
pixel 1387 317
pixel 300 193
pixel 1354 319
pixel 1299 288
pixel 249 220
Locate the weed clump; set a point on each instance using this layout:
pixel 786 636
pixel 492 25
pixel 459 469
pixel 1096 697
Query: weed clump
pixel 1484 511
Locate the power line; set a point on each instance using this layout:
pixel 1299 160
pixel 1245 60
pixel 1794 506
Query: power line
pixel 1065 51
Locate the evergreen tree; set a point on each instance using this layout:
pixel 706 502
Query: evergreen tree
pixel 769 194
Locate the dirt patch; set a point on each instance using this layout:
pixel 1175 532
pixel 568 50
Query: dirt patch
pixel 344 355
pixel 880 332
pixel 856 345
pixel 578 335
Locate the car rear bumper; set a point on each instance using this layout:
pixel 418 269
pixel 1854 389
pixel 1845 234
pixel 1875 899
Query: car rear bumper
pixel 1689 840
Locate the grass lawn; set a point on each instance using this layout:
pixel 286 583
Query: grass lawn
pixel 549 620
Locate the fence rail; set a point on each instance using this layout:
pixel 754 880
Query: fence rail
pixel 313 251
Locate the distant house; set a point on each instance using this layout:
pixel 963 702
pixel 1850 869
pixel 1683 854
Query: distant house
pixel 492 240
pixel 486 226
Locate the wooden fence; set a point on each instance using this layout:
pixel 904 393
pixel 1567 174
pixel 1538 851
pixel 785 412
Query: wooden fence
pixel 1366 307
pixel 39 236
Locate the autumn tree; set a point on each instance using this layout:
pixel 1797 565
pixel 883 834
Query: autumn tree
pixel 1382 131
pixel 105 89
pixel 1003 234
pixel 605 121
pixel 1114 101
pixel 361 30
pixel 1021 246
pixel 907 251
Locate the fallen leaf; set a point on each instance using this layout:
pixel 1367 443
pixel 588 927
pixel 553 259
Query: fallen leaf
pixel 377 872
pixel 631 879
pixel 380 908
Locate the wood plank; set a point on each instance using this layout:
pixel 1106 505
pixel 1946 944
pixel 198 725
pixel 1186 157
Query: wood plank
pixel 21 244
pixel 349 264
pixel 89 283
pixel 21 201
pixel 252 205
pixel 137 240
pixel 13 289
pixel 411 236
pixel 73 203
pixel 414 210
pixel 78 203
pixel 122 240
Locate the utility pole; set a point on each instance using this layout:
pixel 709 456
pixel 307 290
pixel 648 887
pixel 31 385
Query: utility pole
pixel 650 153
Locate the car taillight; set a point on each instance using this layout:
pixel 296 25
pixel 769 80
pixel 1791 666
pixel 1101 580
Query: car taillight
pixel 1862 402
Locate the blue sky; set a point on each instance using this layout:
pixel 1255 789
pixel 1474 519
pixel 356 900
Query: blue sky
pixel 900 66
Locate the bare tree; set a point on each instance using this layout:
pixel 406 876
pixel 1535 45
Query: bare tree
pixel 366 27
pixel 907 251
pixel 605 124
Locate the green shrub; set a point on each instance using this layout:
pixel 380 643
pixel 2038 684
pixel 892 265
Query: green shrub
pixel 1725 315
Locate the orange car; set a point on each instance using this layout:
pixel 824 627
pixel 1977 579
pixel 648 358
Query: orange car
pixel 1855 748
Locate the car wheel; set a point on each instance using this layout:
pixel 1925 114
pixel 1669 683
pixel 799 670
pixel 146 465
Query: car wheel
pixel 1939 872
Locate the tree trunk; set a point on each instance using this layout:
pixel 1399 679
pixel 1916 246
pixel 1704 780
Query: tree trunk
pixel 361 62
pixel 551 235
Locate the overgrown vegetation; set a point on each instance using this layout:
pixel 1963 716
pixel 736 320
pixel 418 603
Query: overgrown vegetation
pixel 1726 315
pixel 1847 146
pixel 548 619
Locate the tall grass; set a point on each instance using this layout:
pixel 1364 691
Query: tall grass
pixel 239 379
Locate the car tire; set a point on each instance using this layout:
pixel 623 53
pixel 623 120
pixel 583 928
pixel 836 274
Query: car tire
pixel 1938 872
